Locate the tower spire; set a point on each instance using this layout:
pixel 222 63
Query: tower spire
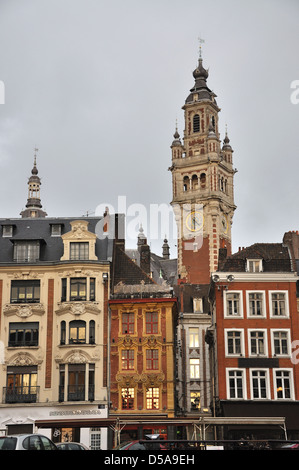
pixel 34 206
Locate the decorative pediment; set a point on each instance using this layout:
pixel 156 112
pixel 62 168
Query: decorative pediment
pixel 78 308
pixel 23 359
pixel 24 310
pixel 79 234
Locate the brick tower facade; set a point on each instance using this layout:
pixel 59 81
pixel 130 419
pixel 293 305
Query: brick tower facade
pixel 203 185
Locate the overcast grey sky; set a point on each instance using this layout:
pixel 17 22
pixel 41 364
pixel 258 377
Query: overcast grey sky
pixel 97 86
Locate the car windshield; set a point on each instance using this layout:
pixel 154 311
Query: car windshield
pixel 8 443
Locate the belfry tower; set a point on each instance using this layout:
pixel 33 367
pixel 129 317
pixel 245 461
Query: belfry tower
pixel 202 183
pixel 34 206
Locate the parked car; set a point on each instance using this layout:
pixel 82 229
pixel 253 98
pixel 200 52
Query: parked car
pixel 26 442
pixel 131 445
pixel 71 446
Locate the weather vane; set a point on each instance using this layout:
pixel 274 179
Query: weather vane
pixel 201 41
pixel 35 150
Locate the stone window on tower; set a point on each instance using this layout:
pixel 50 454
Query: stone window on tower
pixel 203 180
pixel 194 182
pixel 186 183
pixel 196 123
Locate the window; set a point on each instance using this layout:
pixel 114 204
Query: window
pixel 63 332
pixel 257 342
pixel 26 252
pixel 152 359
pixel 194 369
pixel 77 332
pixel 259 384
pixel 78 288
pixel 254 265
pixel 127 323
pixel 92 332
pixel 236 384
pixel 279 304
pixel 196 123
pixel 55 230
pixel 256 307
pixel 76 382
pixel 283 384
pixel 79 251
pixel 151 322
pixel 23 334
pixel 7 230
pixel 21 384
pixel 127 395
pixel 25 291
pixel 152 398
pixel 280 343
pixel 195 401
pixel 127 359
pixel 193 338
pixel 233 342
pixel 233 304
pixel 197 305
pixel 95 439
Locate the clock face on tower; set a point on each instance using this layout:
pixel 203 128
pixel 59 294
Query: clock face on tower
pixel 194 221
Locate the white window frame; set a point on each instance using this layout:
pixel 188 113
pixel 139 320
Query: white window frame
pixel 264 312
pixel 253 260
pixel 283 330
pixel 264 331
pixel 291 379
pixel 260 369
pixel 194 335
pixel 244 384
pixel 225 309
pixel 241 331
pixel 287 309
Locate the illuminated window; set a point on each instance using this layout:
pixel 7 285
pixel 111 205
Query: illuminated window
pixel 194 369
pixel 152 398
pixel 127 395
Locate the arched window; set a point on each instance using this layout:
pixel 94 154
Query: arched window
pixel 196 123
pixel 203 180
pixel 194 182
pixel 77 332
pixel 186 183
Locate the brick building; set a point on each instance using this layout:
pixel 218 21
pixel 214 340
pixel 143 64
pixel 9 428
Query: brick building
pixel 254 325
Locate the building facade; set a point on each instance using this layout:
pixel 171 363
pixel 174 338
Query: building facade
pixel 54 290
pixel 254 326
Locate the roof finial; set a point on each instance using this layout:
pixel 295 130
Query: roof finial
pixel 201 41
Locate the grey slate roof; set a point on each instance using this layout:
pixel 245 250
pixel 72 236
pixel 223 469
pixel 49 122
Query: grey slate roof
pixel 51 246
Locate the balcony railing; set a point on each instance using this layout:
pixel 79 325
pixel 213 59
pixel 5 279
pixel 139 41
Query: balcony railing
pixel 25 394
pixel 76 393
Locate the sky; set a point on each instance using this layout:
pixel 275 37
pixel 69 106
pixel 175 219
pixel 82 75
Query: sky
pixel 98 87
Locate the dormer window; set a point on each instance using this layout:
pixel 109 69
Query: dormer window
pixel 254 265
pixel 197 305
pixel 7 230
pixel 55 230
pixel 79 251
pixel 26 251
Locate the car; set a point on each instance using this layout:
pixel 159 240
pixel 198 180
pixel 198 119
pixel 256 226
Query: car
pixel 131 445
pixel 26 442
pixel 71 446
